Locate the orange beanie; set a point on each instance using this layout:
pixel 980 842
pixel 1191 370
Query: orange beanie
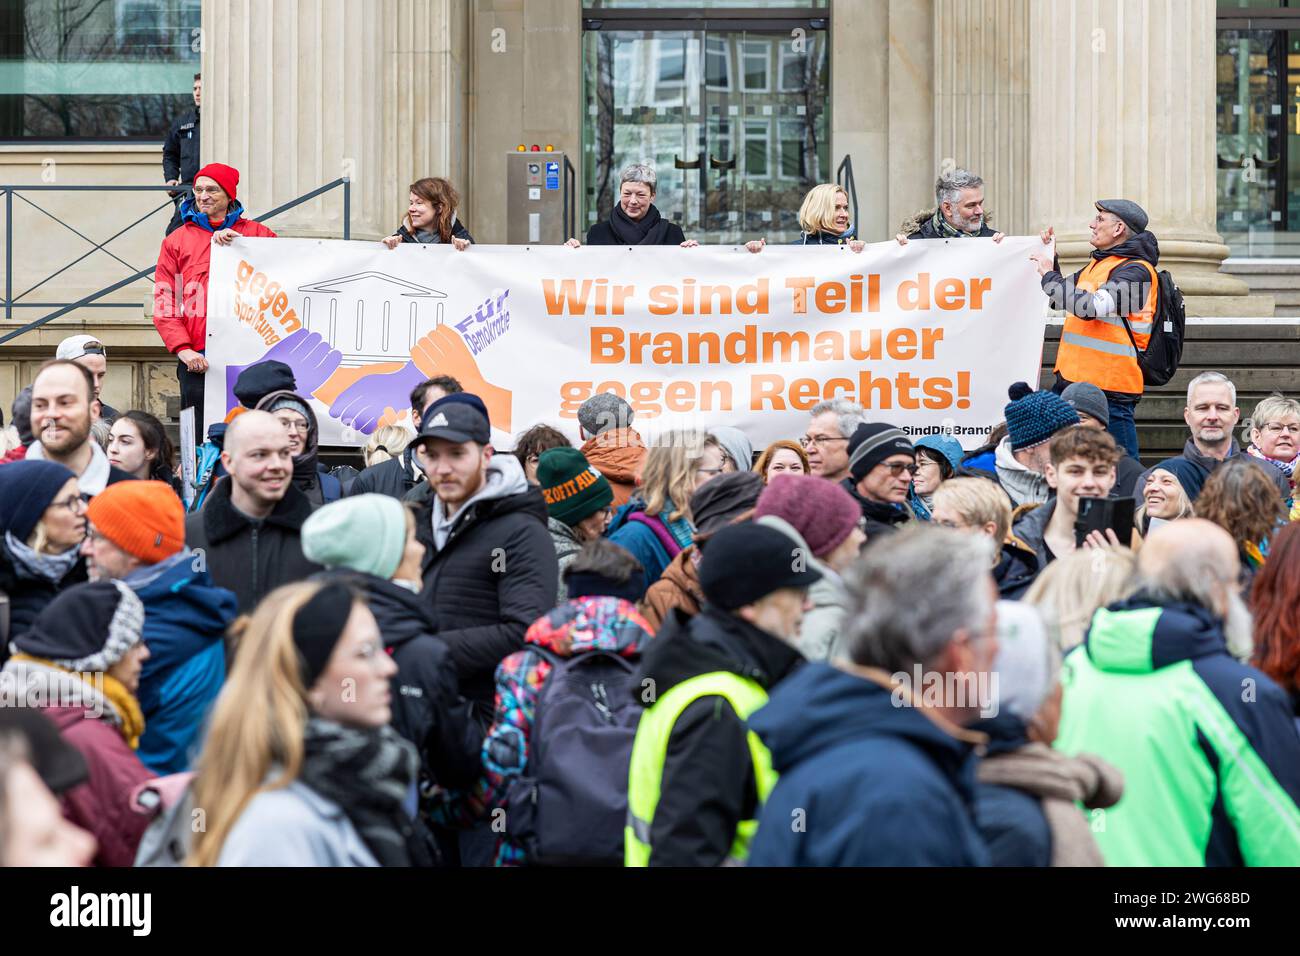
pixel 143 518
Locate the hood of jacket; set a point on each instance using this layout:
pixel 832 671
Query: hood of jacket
pixel 1142 246
pixel 189 213
pixel 1017 566
pixel 1140 636
pixel 714 640
pixel 184 611
pixel 562 534
pixel 823 706
pixel 591 624
pixel 617 454
pixel 682 574
pixel 1031 527
pixel 306 463
pixel 505 489
pixel 1021 483
pixel 921 219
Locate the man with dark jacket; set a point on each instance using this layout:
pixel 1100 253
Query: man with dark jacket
pixel 489 567
pixel 181 152
pixel 397 476
pixel 876 764
pixel 1110 307
pixel 248 530
pixel 698 775
pixel 882 463
pixel 1207 745
pixel 958 212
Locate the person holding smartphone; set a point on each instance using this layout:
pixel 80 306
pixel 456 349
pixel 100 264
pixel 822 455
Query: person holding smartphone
pixel 1082 466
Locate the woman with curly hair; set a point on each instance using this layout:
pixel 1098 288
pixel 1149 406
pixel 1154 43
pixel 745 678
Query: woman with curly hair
pixel 1240 497
pixel 1273 600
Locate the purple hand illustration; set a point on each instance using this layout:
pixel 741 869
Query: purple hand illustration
pixel 363 403
pixel 312 359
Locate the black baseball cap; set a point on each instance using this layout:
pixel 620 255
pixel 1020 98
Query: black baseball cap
pixel 456 421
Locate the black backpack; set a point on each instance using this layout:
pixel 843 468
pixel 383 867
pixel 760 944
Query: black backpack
pixel 1164 351
pixel 570 808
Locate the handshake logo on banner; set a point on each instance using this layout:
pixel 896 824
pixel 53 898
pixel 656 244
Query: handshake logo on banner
pixel 339 343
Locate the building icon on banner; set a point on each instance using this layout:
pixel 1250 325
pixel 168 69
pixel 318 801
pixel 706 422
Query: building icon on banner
pixel 370 316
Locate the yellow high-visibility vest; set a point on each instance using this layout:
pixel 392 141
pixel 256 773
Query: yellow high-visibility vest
pixel 650 751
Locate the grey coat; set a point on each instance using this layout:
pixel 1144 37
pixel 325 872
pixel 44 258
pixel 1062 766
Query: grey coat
pixel 294 826
pixel 567 547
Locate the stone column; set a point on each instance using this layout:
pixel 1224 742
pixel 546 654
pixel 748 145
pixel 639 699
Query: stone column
pixel 300 92
pixel 981 101
pixel 1122 105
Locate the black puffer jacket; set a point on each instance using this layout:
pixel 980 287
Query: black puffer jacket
pixel 250 557
pixel 393 478
pixel 28 597
pixel 495 575
pixel 708 784
pixel 427 707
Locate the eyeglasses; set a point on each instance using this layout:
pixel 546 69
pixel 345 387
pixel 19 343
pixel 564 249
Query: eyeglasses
pixel 1276 428
pixel 207 190
pixel 708 471
pixel 370 651
pixel 898 467
pixel 818 440
pixel 296 427
pixel 74 503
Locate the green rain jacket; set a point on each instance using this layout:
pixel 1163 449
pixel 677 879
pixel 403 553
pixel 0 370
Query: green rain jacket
pixel 1208 746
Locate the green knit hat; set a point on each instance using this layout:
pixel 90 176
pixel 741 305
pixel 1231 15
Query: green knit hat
pixel 363 532
pixel 573 489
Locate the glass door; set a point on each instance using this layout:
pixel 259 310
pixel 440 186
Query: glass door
pixel 734 121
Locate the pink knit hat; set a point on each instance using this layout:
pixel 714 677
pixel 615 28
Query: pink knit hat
pixel 820 510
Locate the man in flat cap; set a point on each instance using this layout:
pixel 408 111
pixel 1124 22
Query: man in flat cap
pixel 1110 306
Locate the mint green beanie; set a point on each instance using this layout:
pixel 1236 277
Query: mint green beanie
pixel 364 533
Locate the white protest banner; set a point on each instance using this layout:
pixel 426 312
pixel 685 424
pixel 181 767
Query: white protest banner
pixel 926 336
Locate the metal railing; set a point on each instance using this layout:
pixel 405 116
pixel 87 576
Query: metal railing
pixel 91 301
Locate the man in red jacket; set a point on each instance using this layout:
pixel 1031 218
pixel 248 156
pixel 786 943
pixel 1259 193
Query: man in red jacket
pixel 180 296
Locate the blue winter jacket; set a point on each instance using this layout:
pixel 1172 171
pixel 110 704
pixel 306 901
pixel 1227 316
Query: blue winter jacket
pixel 863 782
pixel 185 621
pixel 1011 820
pixel 642 543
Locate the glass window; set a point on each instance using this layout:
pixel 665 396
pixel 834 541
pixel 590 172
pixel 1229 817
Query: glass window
pixel 717 63
pixel 757 58
pixel 96 69
pixel 792 146
pixel 758 135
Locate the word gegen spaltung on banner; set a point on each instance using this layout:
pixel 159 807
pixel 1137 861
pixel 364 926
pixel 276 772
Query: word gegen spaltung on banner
pixel 927 336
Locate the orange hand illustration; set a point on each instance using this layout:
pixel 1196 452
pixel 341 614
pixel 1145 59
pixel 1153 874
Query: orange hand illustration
pixel 443 352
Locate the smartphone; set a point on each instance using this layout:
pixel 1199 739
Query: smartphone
pixel 1099 514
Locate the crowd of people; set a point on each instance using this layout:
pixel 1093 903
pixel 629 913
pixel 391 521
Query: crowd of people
pixel 844 648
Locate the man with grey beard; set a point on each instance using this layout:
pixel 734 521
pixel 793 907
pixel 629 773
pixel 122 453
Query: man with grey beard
pixel 958 212
pixel 1207 745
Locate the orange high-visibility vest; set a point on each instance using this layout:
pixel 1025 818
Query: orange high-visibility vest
pixel 1098 350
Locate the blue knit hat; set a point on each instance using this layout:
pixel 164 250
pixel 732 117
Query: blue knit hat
pixel 1189 474
pixel 1034 417
pixel 945 445
pixel 26 490
pixel 366 533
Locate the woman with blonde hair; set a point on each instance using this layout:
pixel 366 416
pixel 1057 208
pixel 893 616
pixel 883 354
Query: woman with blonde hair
pixel 655 525
pixel 385 444
pixel 1274 433
pixel 1071 589
pixel 301 767
pixel 431 216
pixel 782 457
pixel 823 220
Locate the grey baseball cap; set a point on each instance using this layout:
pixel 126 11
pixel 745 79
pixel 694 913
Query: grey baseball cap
pixel 1126 211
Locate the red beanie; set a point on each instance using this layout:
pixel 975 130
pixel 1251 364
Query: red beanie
pixel 821 511
pixel 227 177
